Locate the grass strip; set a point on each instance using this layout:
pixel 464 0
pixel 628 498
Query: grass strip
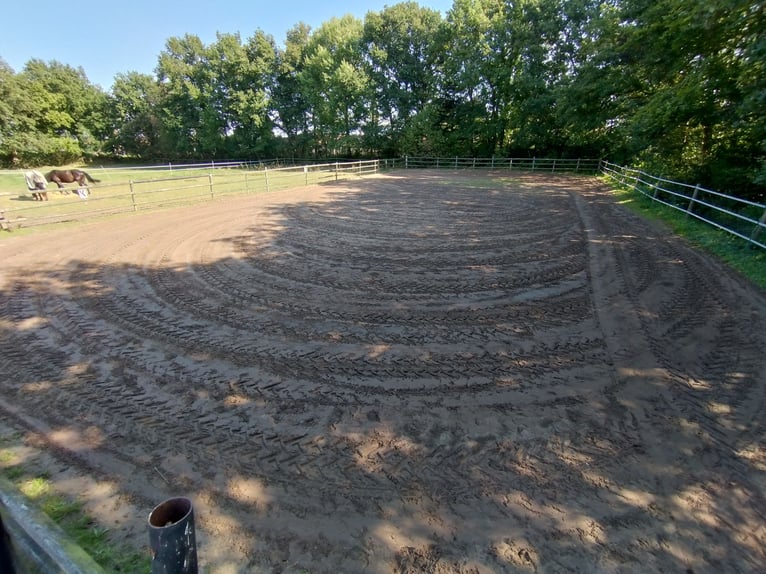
pixel 69 515
pixel 750 262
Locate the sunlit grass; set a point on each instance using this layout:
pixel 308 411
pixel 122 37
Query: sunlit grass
pixel 71 517
pixel 121 191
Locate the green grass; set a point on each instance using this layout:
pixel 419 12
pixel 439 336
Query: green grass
pixel 122 191
pixel 749 262
pixel 70 516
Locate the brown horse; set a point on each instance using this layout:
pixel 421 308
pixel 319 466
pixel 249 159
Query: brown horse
pixel 62 176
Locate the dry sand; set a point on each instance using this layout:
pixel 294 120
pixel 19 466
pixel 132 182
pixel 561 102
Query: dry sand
pixel 417 372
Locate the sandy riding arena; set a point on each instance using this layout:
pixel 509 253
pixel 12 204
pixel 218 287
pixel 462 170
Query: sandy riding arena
pixel 414 372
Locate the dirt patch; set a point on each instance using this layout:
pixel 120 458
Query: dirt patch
pixel 423 371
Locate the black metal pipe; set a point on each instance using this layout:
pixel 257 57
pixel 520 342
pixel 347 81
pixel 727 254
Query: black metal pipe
pixel 172 537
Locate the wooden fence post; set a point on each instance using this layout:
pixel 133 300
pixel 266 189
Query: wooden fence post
pixel 266 173
pixel 210 181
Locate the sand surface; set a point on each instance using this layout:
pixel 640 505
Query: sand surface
pixel 417 372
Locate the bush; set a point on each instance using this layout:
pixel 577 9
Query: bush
pixel 35 149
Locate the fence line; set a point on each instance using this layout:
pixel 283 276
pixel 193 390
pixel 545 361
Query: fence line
pixel 150 193
pixel 740 217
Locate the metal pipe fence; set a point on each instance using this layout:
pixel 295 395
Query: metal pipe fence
pixel 534 164
pixel 740 217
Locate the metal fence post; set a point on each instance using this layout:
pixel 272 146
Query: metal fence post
pixel 757 230
pixel 690 207
pixel 210 180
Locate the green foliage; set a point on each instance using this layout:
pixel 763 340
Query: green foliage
pixel 51 114
pixel 399 45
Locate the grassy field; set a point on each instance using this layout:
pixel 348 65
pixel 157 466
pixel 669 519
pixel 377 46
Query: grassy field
pixel 121 190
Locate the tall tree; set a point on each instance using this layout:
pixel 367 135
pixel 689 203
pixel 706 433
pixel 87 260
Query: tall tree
pixel 186 89
pixel 399 45
pixel 134 104
pixel 52 114
pixel 334 85
pixel 682 95
pixel 289 104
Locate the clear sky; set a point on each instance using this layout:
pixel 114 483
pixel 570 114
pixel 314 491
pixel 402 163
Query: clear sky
pixel 109 37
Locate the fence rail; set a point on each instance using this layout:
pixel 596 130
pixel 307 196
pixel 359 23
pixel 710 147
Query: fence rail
pixel 740 217
pixel 513 163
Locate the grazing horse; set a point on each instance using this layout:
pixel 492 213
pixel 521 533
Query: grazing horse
pixel 36 183
pixel 62 176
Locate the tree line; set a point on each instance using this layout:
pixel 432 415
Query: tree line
pixel 675 86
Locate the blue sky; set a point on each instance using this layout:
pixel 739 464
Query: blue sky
pixel 107 37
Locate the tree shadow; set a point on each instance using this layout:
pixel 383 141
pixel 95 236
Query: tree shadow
pixel 410 373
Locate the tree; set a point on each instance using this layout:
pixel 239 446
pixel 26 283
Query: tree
pixel 333 83
pixel 134 103
pixel 681 100
pixel 252 89
pixel 399 46
pixel 290 106
pixel 186 118
pixel 51 113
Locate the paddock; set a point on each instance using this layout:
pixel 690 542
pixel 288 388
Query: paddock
pixel 421 371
